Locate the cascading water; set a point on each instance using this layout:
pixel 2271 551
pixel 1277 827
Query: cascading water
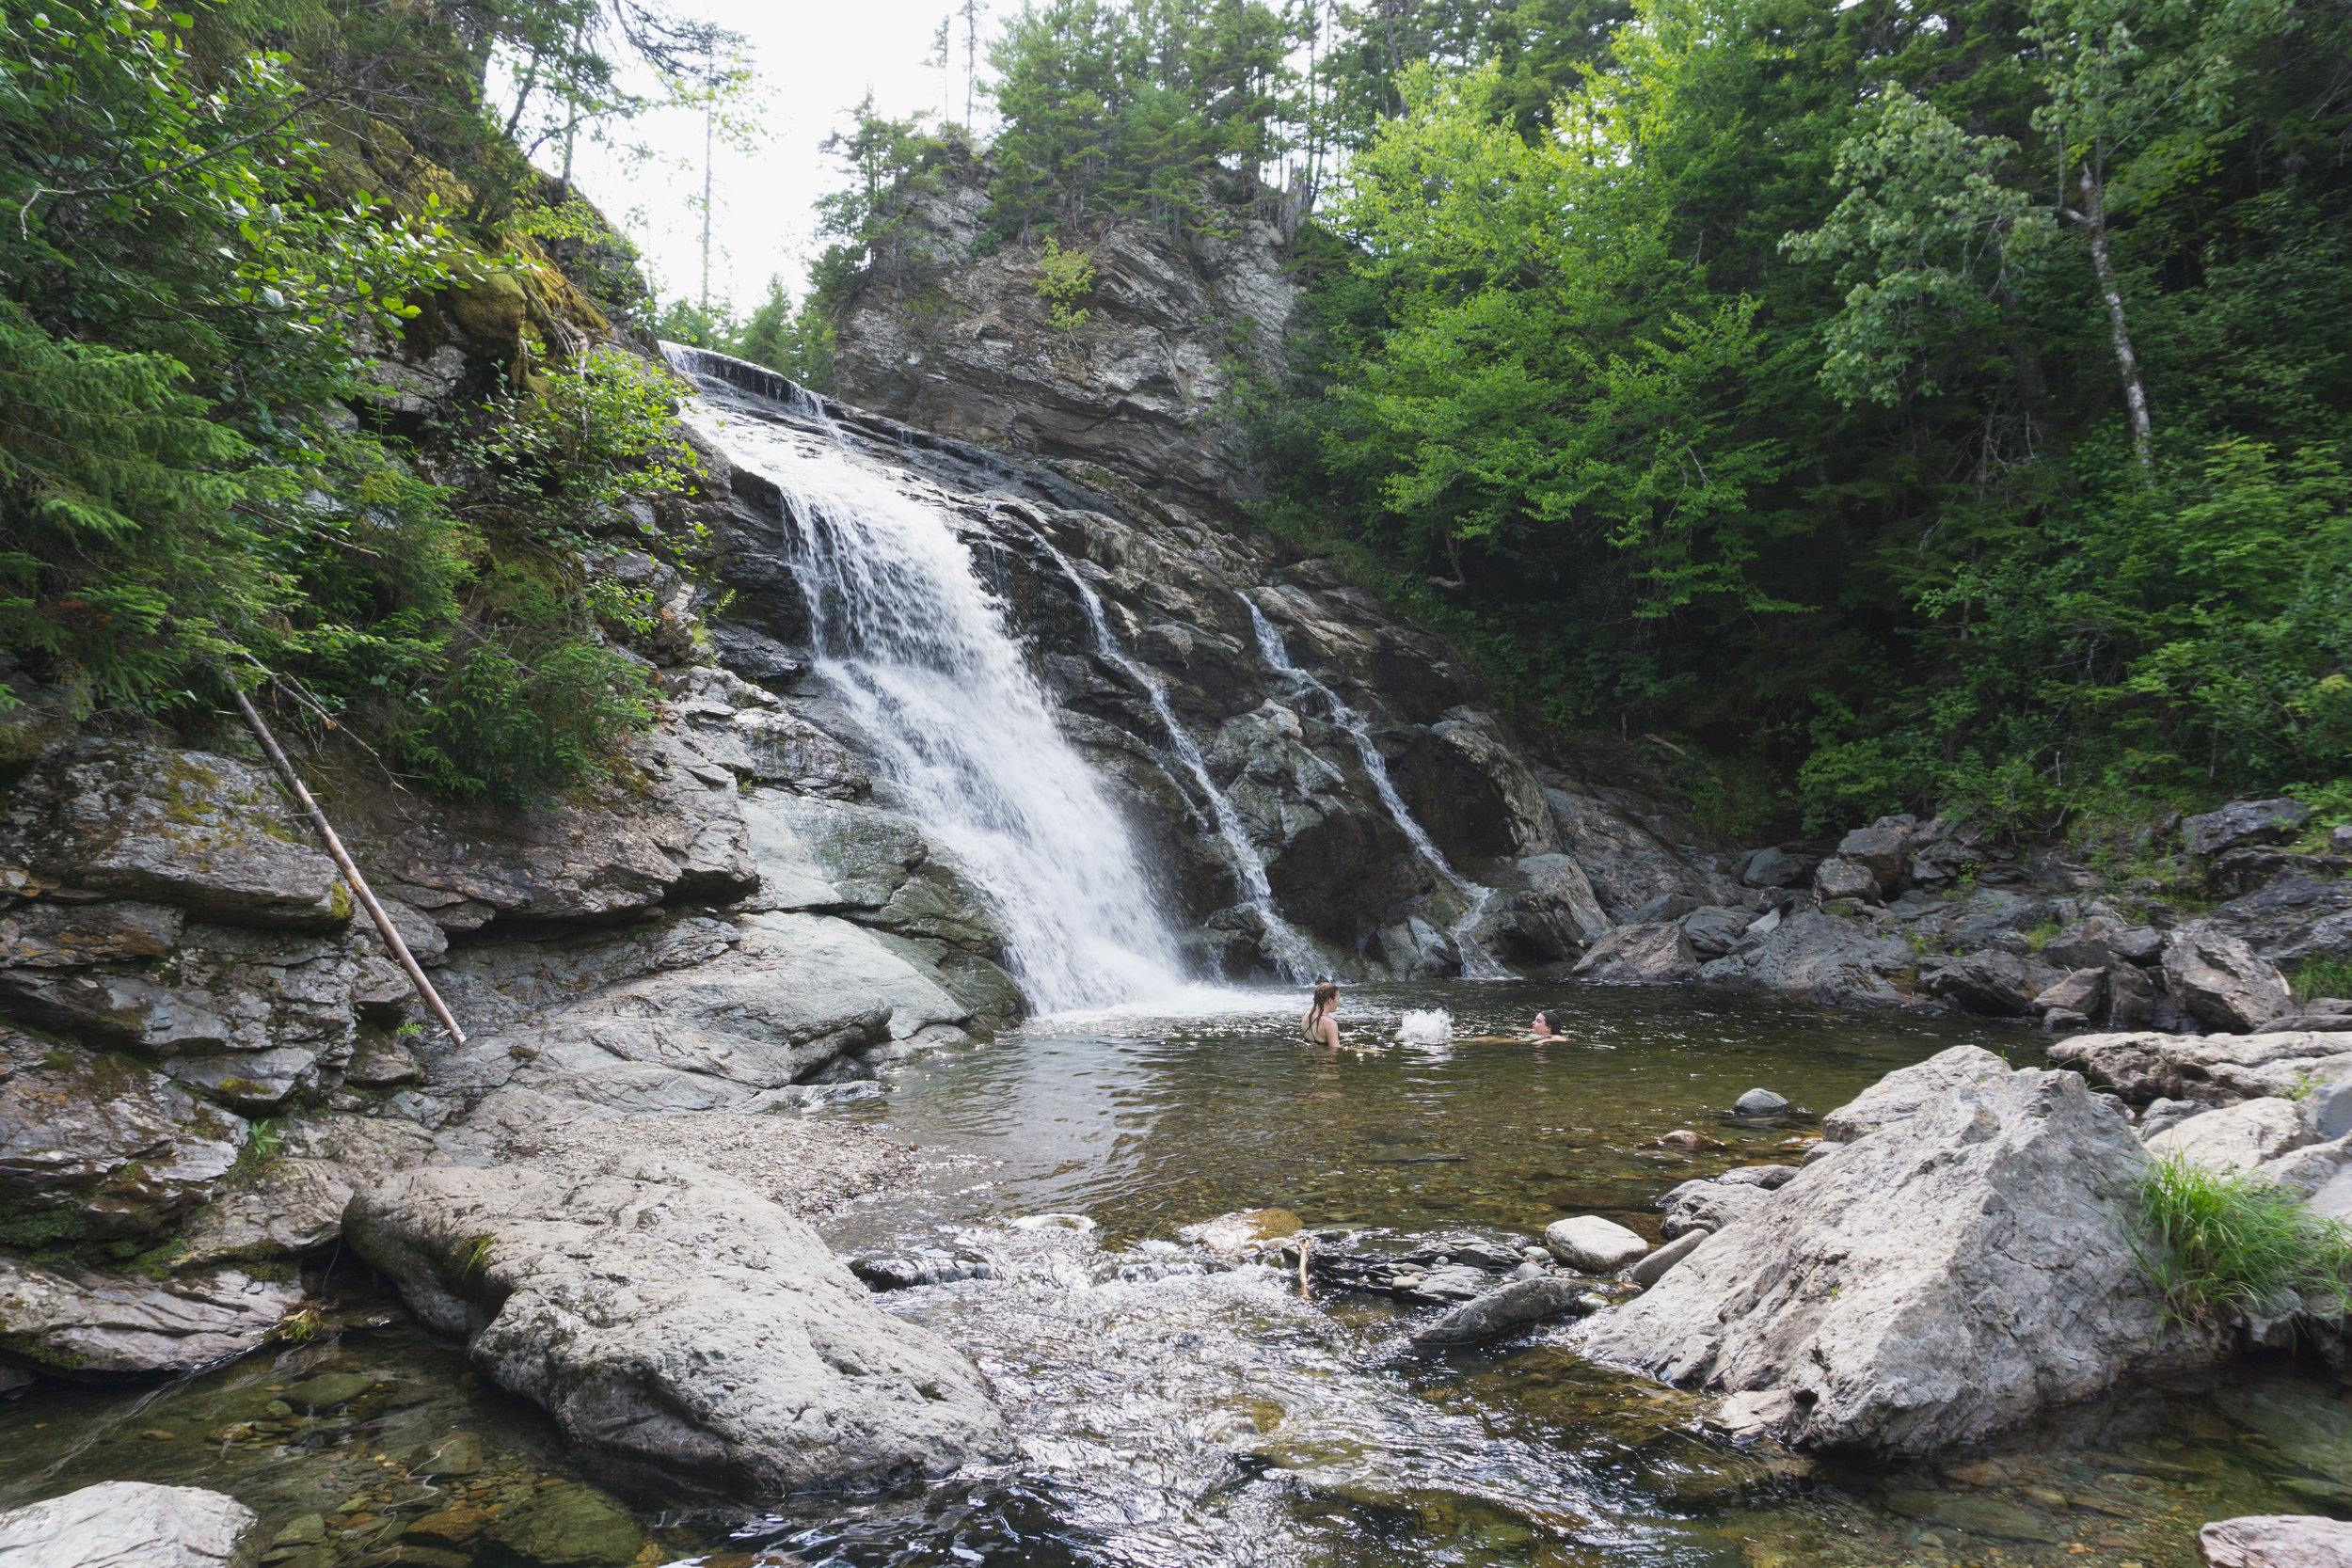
pixel 917 650
pixel 1293 953
pixel 1477 963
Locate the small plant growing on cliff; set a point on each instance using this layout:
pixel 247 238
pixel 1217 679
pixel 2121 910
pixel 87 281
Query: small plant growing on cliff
pixel 1064 277
pixel 2323 975
pixel 2215 1242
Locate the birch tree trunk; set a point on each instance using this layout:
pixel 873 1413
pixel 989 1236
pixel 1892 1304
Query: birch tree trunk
pixel 2094 217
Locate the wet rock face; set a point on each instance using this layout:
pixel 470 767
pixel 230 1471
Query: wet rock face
pixel 104 1144
pixel 1958 1263
pixel 76 1323
pixel 130 1524
pixel 671 1318
pixel 204 833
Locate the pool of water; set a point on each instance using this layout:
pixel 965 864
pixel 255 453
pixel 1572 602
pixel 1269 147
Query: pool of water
pixel 1229 1416
pixel 1174 1410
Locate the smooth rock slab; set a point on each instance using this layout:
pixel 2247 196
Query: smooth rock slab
pixel 1594 1245
pixel 1942 1276
pixel 672 1317
pixel 130 1524
pixel 2277 1541
pixel 1651 1269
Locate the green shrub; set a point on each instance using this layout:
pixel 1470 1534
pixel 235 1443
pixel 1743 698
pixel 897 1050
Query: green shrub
pixel 2323 975
pixel 2221 1241
pixel 519 719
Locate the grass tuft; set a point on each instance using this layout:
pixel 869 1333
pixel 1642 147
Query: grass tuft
pixel 2323 975
pixel 2215 1242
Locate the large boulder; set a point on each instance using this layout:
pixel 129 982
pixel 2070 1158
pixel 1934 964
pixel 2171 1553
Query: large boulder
pixel 1883 849
pixel 2222 981
pixel 203 832
pixel 131 1524
pixel 1989 985
pixel 1955 1267
pixel 76 1322
pixel 673 1318
pixel 2292 917
pixel 2277 1541
pixel 1781 865
pixel 1639 955
pixel 1823 958
pixel 2244 822
pixel 1839 878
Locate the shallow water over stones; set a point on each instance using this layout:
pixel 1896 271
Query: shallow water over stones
pixel 1176 1409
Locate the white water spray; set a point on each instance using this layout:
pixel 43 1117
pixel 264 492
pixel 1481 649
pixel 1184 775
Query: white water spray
pixel 918 651
pixel 1477 963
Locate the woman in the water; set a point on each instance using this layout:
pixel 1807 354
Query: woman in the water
pixel 1321 1027
pixel 1547 1026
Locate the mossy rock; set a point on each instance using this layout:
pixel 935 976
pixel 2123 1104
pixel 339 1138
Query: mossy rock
pixel 567 1527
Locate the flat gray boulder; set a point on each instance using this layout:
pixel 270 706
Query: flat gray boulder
pixel 1959 1265
pixel 1594 1245
pixel 2239 1137
pixel 203 832
pixel 2277 1541
pixel 670 1317
pixel 130 1524
pixel 2244 822
pixel 2213 1069
pixel 1823 958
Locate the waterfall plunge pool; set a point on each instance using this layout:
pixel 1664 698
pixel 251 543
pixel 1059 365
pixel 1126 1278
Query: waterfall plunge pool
pixel 1218 1416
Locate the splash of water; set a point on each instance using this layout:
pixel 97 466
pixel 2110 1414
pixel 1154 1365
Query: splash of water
pixel 919 652
pixel 1477 963
pixel 1432 1027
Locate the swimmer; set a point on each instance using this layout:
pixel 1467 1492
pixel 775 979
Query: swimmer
pixel 1547 1026
pixel 1321 1027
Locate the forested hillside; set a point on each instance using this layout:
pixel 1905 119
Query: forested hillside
pixel 1893 405
pixel 242 287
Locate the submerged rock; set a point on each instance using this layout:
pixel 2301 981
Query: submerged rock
pixel 1503 1310
pixel 1759 1103
pixel 670 1318
pixel 1958 1264
pixel 130 1524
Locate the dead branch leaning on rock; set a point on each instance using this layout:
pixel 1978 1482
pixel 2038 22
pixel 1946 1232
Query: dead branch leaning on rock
pixel 384 926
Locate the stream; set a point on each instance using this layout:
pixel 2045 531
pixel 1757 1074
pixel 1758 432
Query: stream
pixel 1172 1408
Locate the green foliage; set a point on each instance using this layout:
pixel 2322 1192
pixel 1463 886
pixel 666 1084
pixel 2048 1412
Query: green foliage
pixel 2324 975
pixel 1064 277
pixel 1762 389
pixel 1147 107
pixel 2217 1242
pixel 530 706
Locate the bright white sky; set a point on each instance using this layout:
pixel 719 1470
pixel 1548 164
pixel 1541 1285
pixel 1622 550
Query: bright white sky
pixel 814 59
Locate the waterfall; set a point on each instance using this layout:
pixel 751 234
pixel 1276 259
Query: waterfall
pixel 1293 953
pixel 1476 961
pixel 919 652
